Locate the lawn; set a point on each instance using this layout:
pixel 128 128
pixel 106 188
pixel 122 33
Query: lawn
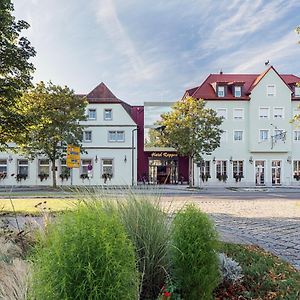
pixel 36 205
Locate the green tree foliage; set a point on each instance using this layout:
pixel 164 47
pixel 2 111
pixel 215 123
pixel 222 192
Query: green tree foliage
pixel 298 31
pixel 194 257
pixel 85 255
pixel 54 113
pixel 15 71
pixel 192 129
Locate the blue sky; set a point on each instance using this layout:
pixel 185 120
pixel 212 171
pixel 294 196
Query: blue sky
pixel 153 50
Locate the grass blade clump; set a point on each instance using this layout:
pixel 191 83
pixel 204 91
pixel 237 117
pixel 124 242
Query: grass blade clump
pixel 195 262
pixel 84 255
pixel 148 228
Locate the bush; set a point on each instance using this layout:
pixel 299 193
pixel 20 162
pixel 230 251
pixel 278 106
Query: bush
pixel 230 270
pixel 148 227
pixel 195 262
pixel 85 254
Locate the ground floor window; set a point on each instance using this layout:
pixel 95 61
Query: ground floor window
pixel 259 172
pixel 43 169
pixel 107 169
pixel 205 170
pixel 163 171
pixel 3 168
pixel 238 169
pixel 22 169
pixel 86 168
pixel 64 170
pixel 296 170
pixel 221 170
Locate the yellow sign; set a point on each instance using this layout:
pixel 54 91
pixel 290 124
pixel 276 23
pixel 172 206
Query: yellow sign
pixel 73 156
pixel 163 154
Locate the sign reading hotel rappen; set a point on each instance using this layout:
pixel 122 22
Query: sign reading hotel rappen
pixel 73 156
pixel 163 154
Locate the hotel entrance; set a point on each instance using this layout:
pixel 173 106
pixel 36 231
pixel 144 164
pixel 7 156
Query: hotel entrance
pixel 163 171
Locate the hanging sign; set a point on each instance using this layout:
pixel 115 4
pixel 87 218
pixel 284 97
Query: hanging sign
pixel 163 154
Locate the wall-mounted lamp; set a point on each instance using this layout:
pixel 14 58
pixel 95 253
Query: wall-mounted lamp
pixel 251 160
pixel 289 159
pixel 96 159
pixel 125 159
pixel 214 160
pixel 230 159
pixel 10 159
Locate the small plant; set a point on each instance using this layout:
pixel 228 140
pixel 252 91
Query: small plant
pixel 43 176
pixel 297 177
pixel 65 175
pixel 85 254
pixel 84 176
pixel 205 177
pixel 222 177
pixel 230 270
pixel 238 177
pixel 21 177
pixel 195 262
pixel 106 176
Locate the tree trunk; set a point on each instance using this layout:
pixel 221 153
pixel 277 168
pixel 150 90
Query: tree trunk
pixel 191 183
pixel 53 173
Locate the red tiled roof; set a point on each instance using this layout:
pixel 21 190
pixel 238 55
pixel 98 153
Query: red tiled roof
pixel 206 89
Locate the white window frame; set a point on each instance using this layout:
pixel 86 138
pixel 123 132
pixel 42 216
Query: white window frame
pixel 269 94
pixel 84 136
pixel 297 91
pixel 225 112
pixel 274 116
pixel 275 132
pixel 239 169
pixel 235 117
pixel 103 165
pixel 224 136
pixel 259 135
pixel 296 135
pixel 92 109
pixel 3 165
pixel 296 171
pixel 223 167
pixel 23 165
pixel 241 140
pixel 84 166
pixel 40 164
pixel 104 114
pixel 116 140
pixel 239 88
pixel 260 115
pixel 221 91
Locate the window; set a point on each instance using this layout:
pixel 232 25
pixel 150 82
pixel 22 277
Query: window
pixel 222 112
pixel 86 165
pixel 23 167
pixel 107 114
pixel 223 137
pixel 3 168
pixel 87 136
pixel 205 169
pixel 107 168
pixel 296 169
pixel 264 135
pixel 278 113
pixel 238 114
pixel 221 91
pixel 92 114
pixel 116 136
pixel 238 135
pixel 221 170
pixel 44 167
pixel 271 90
pixel 297 91
pixel 64 170
pixel 238 169
pixel 297 135
pixel 237 91
pixel 264 112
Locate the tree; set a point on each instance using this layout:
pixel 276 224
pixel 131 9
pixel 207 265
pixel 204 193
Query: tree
pixel 55 113
pixel 15 71
pixel 192 129
pixel 298 31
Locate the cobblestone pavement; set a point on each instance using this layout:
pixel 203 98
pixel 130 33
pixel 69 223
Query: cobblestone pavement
pixel 273 224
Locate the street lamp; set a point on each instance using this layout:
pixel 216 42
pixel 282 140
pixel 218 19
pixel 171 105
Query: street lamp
pixel 132 155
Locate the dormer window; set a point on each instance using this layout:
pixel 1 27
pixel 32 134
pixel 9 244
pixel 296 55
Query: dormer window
pixel 297 91
pixel 221 91
pixel 237 91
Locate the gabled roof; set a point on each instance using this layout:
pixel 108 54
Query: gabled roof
pixel 207 91
pixel 101 94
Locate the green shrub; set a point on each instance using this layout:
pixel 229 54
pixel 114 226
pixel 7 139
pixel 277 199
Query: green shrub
pixel 195 262
pixel 148 227
pixel 85 254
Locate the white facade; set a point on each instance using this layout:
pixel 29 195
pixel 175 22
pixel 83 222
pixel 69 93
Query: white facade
pixel 110 140
pixel 259 142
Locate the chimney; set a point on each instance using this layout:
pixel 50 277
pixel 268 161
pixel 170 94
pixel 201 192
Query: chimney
pixel 221 72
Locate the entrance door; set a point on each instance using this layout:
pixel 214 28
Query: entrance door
pixel 162 171
pixel 276 172
pixel 259 172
